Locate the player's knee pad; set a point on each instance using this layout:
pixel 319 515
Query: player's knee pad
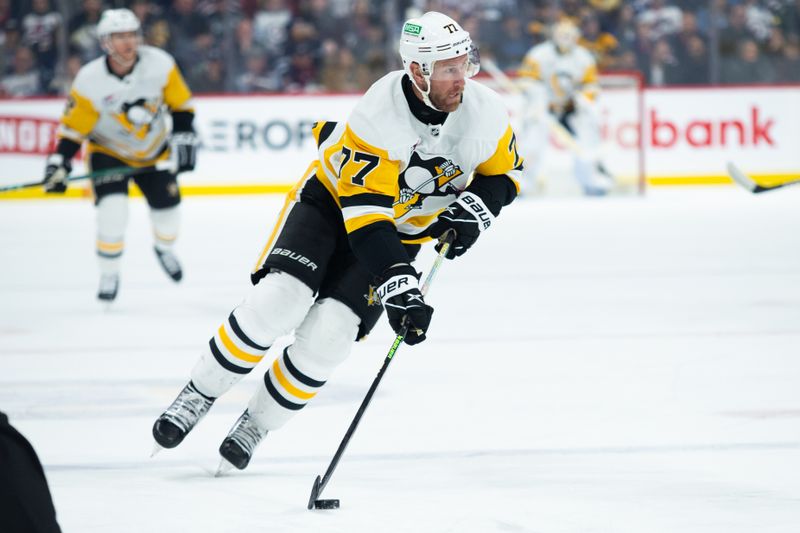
pixel 272 308
pixel 165 223
pixel 112 218
pixel 324 338
pixel 322 342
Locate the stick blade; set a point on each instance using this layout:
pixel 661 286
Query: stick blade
pixel 314 493
pixel 741 178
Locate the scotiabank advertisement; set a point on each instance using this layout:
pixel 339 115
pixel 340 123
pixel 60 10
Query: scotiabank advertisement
pixel 687 135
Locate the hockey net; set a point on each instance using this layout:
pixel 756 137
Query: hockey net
pixel 620 106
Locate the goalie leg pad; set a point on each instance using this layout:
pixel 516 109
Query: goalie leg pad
pixel 322 342
pixel 166 223
pixel 112 219
pixel 273 307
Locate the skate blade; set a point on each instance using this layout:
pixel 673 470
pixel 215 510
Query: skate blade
pixel 223 468
pixel 156 448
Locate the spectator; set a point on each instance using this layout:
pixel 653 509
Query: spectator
pixel 190 32
pixel 41 32
pixel 748 66
pixel 24 79
pixel 689 32
pixel 664 68
pixel 664 20
pixel 788 68
pixel 257 77
pixel 759 19
pixel 209 75
pixel 694 62
pixel 340 73
pixel 62 83
pixel 270 25
pixel 736 32
pixel 602 45
pixel 83 31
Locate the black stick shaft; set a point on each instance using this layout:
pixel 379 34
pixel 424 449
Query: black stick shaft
pixel 386 362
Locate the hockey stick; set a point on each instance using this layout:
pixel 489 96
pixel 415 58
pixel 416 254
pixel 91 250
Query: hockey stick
pixel 557 128
pixel 321 482
pixel 127 171
pixel 745 181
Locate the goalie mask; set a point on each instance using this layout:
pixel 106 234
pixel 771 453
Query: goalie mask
pixel 116 21
pixel 565 36
pixel 435 37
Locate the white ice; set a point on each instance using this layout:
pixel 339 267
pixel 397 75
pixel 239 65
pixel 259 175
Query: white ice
pixel 621 365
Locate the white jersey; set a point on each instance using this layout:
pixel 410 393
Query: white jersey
pixel 564 76
pixel 126 117
pixel 385 165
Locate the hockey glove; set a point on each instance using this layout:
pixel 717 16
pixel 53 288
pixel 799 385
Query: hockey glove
pixel 183 150
pixel 56 173
pixel 400 295
pixel 468 217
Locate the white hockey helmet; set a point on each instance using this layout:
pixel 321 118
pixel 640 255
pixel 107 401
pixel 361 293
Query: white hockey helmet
pixel 565 35
pixel 435 37
pixel 117 21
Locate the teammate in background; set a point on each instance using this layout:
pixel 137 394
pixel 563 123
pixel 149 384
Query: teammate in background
pixel 561 86
pixel 399 173
pixel 119 103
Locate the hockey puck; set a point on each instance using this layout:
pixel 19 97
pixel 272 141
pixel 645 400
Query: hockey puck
pixel 326 504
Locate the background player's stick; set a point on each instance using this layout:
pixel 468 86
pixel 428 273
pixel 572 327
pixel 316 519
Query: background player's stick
pixel 127 171
pixel 745 181
pixel 321 482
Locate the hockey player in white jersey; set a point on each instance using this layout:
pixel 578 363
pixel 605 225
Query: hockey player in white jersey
pixel 426 150
pixel 560 83
pixel 119 103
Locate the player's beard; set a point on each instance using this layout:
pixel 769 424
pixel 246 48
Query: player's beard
pixel 447 101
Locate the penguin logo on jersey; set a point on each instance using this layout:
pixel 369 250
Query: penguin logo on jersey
pixel 427 177
pixel 137 116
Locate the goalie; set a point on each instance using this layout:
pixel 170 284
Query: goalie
pixel 560 84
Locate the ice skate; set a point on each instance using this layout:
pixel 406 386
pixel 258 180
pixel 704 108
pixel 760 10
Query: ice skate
pixel 237 448
pixel 109 284
pixel 178 420
pixel 170 264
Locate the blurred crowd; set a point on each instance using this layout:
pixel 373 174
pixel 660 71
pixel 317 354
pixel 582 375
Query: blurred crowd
pixel 257 46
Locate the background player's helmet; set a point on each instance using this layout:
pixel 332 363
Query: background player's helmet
pixel 565 35
pixel 434 37
pixel 117 21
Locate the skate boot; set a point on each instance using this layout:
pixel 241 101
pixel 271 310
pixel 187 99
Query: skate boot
pixel 238 446
pixel 109 284
pixel 170 264
pixel 180 417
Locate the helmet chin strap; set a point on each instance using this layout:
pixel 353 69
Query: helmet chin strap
pixel 425 94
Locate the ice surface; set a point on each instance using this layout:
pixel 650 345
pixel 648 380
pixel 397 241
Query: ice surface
pixel 617 365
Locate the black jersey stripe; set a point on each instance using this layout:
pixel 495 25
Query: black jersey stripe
pixel 325 132
pixel 283 402
pixel 296 374
pixel 357 200
pixel 244 338
pixel 224 363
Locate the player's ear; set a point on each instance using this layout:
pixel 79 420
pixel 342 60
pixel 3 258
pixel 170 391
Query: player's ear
pixel 419 79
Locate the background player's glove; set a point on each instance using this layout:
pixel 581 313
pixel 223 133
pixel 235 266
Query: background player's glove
pixel 55 173
pixel 468 217
pixel 400 295
pixel 183 150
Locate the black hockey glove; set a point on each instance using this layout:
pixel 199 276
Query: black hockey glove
pixel 400 295
pixel 56 173
pixel 468 217
pixel 183 150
